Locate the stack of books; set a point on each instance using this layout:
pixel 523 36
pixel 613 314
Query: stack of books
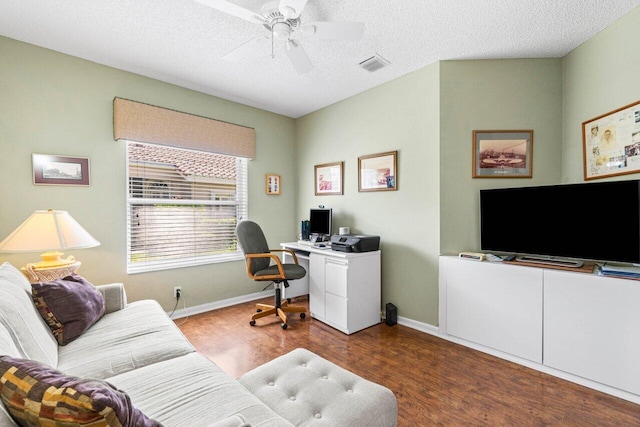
pixel 624 271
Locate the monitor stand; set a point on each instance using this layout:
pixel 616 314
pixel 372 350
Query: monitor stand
pixel 550 261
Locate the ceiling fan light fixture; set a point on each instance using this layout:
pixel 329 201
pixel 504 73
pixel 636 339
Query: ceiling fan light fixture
pixel 374 63
pixel 281 30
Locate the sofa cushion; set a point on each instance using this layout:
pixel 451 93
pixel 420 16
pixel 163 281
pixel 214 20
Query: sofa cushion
pixel 115 297
pixel 17 278
pixel 136 336
pixel 5 419
pixel 19 316
pixel 192 391
pixel 7 347
pixel 232 421
pixel 35 394
pixel 69 306
pixel 7 344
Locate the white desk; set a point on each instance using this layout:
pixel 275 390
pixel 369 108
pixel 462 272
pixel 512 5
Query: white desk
pixel 344 288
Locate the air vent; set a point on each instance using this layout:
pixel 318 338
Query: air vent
pixel 374 63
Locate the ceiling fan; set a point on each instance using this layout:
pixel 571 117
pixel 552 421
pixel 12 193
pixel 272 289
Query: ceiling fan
pixel 282 19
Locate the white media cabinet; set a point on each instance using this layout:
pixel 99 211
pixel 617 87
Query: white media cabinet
pixel 578 326
pixel 344 288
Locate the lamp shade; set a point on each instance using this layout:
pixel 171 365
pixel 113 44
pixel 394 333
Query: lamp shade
pixel 47 231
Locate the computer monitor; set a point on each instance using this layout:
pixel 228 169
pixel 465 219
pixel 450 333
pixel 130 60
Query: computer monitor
pixel 320 222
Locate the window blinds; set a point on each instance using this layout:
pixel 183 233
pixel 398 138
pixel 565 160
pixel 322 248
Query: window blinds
pixel 182 207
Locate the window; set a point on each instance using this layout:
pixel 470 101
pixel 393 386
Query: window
pixel 182 207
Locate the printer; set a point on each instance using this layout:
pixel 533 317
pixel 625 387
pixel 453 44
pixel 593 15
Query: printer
pixel 354 243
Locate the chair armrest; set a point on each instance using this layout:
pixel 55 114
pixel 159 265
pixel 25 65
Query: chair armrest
pixel 289 251
pixel 274 257
pixel 115 297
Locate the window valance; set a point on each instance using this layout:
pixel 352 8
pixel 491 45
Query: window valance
pixel 136 121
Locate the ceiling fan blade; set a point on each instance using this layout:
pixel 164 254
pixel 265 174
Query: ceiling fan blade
pixel 298 57
pixel 350 31
pixel 234 10
pixel 254 47
pixel 291 9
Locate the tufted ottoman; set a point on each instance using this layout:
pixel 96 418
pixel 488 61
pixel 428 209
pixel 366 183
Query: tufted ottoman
pixel 308 390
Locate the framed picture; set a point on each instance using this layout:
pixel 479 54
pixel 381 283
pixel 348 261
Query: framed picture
pixel 502 153
pixel 378 172
pixel 611 143
pixel 60 170
pixel 328 178
pixel 273 183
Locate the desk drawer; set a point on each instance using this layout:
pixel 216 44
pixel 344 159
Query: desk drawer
pixel 336 277
pixel 336 311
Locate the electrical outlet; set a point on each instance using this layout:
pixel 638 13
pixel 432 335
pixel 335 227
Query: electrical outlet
pixel 177 292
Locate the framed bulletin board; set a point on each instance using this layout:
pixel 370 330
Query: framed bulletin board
pixel 611 143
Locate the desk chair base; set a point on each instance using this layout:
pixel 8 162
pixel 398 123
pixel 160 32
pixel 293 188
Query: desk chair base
pixel 280 309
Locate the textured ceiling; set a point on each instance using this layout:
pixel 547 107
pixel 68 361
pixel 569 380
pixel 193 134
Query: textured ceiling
pixel 181 41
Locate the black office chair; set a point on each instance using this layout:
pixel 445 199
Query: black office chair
pixel 259 259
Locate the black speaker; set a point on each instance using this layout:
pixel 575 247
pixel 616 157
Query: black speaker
pixel 391 317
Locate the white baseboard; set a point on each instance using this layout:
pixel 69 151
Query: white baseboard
pixel 210 306
pixel 419 326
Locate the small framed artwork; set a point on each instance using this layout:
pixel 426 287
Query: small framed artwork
pixel 328 179
pixel 611 143
pixel 378 172
pixel 273 184
pixel 60 170
pixel 502 153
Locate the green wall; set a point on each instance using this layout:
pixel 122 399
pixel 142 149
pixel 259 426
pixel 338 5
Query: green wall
pixel 600 76
pixel 400 115
pixel 514 94
pixel 429 117
pixel 56 104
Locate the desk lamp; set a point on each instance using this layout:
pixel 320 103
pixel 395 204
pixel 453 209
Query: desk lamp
pixel 49 231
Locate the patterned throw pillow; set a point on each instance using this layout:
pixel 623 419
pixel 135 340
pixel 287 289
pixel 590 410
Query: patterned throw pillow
pixel 69 306
pixel 35 395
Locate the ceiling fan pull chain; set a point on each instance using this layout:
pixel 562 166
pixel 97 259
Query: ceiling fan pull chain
pixel 273 55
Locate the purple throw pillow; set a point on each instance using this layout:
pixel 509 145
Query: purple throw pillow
pixel 69 306
pixel 35 394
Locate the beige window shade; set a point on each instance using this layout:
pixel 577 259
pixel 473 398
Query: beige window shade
pixel 135 121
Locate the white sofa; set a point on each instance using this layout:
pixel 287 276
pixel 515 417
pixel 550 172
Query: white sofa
pixel 138 348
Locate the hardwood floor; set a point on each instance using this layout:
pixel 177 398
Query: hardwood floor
pixel 435 381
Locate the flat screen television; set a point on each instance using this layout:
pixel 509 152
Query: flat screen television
pixel 320 221
pixel 593 221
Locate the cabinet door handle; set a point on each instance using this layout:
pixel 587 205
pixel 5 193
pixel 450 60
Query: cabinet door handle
pixel 337 262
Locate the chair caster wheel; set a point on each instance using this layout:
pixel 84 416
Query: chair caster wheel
pixel 288 300
pixel 303 315
pixel 259 310
pixel 284 326
pixel 252 322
